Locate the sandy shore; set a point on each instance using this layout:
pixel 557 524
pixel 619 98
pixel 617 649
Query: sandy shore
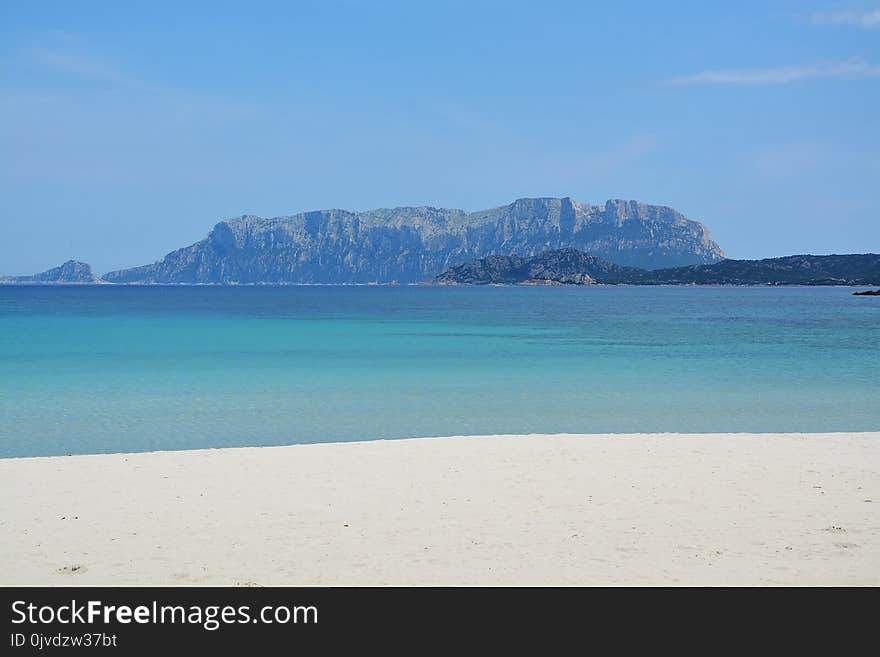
pixel 643 509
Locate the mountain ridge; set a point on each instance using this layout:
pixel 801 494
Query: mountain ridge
pixel 413 243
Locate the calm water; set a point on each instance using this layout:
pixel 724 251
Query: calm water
pixel 108 369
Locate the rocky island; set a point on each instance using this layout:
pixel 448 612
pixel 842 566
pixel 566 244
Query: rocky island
pixel 412 244
pixel 70 273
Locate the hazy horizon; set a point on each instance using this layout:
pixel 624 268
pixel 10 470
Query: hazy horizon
pixel 130 131
pixel 101 272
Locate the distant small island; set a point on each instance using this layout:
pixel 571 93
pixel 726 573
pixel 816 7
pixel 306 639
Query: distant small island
pixel 867 293
pixel 71 272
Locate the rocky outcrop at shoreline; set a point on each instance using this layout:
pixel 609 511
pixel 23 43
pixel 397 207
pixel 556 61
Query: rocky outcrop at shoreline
pixel 569 266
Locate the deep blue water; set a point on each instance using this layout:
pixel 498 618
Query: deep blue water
pixel 110 369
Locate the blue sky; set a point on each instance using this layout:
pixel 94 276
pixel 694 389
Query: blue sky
pixel 130 129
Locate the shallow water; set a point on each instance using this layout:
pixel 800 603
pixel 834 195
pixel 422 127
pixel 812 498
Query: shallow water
pixel 109 369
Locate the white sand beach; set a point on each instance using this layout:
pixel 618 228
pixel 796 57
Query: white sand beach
pixel 719 509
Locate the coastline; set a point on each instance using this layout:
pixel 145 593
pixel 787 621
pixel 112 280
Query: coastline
pixel 533 283
pixel 594 509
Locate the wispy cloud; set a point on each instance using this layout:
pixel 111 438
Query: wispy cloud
pixel 851 69
pixel 89 67
pixel 866 19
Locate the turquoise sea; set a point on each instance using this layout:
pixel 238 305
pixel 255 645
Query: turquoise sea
pixel 112 369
